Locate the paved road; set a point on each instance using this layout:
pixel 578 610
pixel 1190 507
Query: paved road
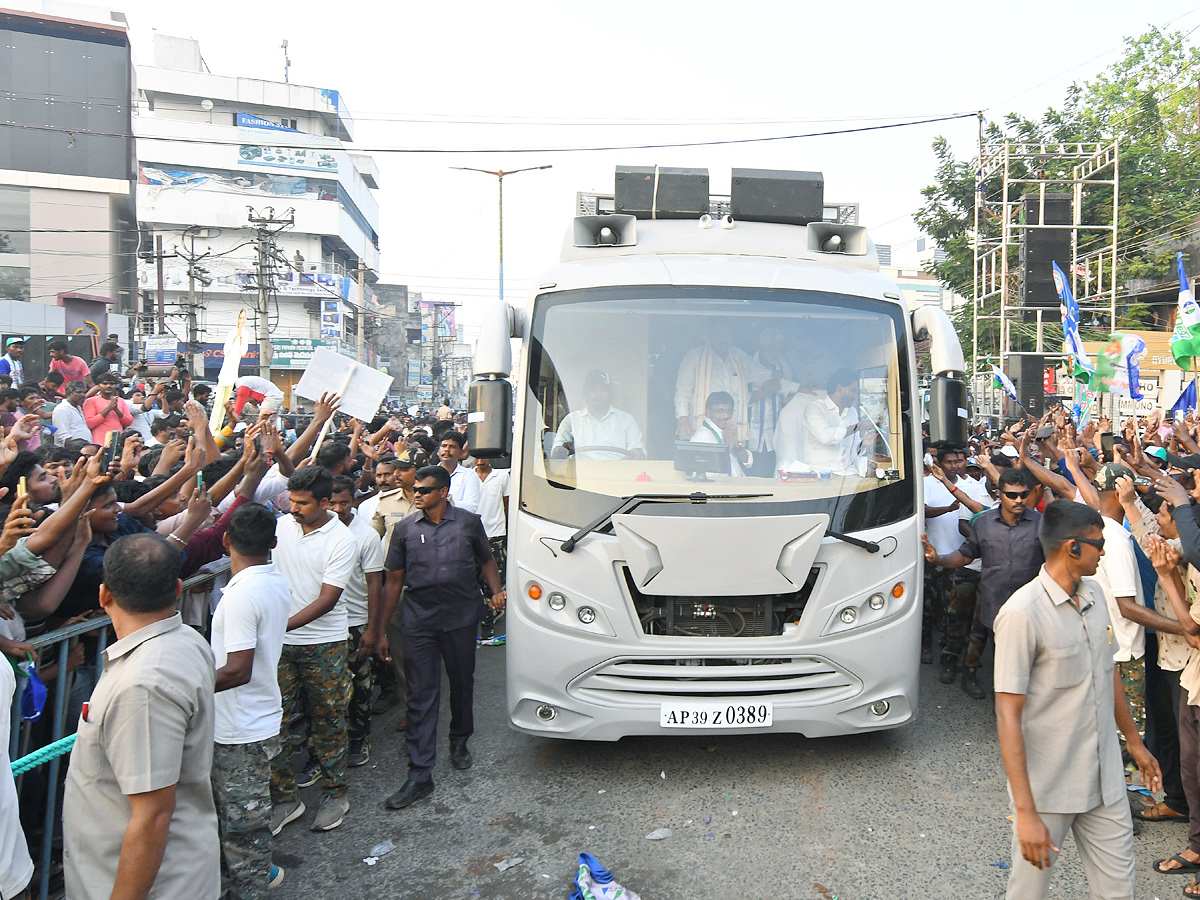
pixel 915 813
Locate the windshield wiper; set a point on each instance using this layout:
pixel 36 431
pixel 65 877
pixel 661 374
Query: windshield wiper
pixel 629 503
pixel 869 546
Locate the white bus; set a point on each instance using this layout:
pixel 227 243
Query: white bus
pixel 757 569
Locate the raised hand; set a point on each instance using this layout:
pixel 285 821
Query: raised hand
pixel 326 406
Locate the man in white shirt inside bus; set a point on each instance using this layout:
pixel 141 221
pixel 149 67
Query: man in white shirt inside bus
pixel 598 431
pixel 719 427
pixel 834 439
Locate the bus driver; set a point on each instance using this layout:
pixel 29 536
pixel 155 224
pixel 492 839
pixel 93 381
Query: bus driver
pixel 598 431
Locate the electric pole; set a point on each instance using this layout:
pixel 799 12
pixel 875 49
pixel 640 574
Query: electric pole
pixel 195 273
pixel 266 228
pixel 362 308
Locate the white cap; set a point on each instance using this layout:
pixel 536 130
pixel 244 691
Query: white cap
pixel 1010 451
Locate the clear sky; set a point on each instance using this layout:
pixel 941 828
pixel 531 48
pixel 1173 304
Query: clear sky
pixel 493 76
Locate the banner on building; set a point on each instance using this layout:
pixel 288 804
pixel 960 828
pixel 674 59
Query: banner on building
pixel 331 319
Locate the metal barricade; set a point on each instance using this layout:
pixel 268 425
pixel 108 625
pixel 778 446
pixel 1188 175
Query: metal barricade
pixel 62 640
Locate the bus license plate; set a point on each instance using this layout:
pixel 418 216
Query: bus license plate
pixel 716 714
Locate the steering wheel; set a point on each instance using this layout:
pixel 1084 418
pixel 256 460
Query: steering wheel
pixel 625 454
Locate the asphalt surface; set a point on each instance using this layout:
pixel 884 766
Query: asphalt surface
pixel 915 813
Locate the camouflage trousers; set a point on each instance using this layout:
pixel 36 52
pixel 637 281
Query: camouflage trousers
pixel 241 781
pixel 362 682
pixel 318 673
pixel 1133 679
pixel 961 588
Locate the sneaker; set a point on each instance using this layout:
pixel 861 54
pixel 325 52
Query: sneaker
pixel 276 878
pixel 281 815
pixel 359 755
pixel 330 813
pixel 487 631
pixel 310 775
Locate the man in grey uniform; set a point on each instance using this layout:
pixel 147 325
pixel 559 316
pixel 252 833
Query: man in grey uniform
pixel 1058 695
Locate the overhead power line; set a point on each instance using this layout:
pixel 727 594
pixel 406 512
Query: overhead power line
pixel 79 132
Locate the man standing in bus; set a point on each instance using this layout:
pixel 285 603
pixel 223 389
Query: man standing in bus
pixel 717 365
pixel 834 438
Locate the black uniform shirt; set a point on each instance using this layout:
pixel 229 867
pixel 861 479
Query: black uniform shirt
pixel 439 569
pixel 1011 556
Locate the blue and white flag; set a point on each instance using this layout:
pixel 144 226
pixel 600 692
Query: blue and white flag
pixel 1005 384
pixel 1185 342
pixel 1070 320
pixel 1187 400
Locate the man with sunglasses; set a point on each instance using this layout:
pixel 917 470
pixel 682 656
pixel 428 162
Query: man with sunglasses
pixel 434 553
pixel 1058 698
pixel 1004 539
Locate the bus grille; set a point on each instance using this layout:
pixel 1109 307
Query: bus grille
pixel 803 678
pixel 720 616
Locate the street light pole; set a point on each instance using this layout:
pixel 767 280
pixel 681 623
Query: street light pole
pixel 499 175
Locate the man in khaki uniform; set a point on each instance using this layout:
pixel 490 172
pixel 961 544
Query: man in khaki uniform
pixel 138 809
pixel 1058 696
pixel 393 505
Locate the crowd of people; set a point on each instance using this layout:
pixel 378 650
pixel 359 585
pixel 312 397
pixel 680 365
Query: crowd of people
pixel 187 724
pixel 1076 552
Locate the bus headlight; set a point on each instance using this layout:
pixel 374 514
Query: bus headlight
pixel 587 615
pixel 849 615
pixel 556 601
pixel 880 708
pixel 876 601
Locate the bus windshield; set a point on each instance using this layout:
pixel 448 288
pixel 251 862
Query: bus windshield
pixel 801 397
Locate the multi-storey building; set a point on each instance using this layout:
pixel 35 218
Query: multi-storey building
pixel 261 205
pixel 68 234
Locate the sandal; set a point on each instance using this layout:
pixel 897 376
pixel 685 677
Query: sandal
pixel 1159 812
pixel 1195 893
pixel 1185 866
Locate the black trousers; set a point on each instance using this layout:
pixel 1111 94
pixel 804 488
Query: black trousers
pixel 1162 725
pixel 425 653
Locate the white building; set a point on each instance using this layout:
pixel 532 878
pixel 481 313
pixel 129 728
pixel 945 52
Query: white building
pixel 211 146
pixel 908 268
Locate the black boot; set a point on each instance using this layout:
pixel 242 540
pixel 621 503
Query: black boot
pixel 970 684
pixel 949 671
pixel 926 648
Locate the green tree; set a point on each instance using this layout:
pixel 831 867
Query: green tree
pixel 1146 101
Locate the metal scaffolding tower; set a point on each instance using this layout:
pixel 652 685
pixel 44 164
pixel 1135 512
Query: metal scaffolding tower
pixel 1011 175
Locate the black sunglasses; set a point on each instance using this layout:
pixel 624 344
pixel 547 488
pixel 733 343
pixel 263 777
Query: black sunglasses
pixel 1098 543
pixel 422 489
pixel 1015 495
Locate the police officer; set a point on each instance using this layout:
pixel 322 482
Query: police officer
pixel 434 554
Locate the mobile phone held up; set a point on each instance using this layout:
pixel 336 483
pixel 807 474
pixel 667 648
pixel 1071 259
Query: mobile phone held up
pixel 114 443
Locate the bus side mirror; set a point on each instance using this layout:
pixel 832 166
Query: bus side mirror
pixel 947 411
pixel 490 418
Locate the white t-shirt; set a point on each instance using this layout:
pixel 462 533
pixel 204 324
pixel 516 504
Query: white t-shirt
pixel 368 558
pixel 464 489
pixel 253 613
pixel 977 491
pixel 1118 575
pixel 942 530
pixel 493 490
pixel 324 556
